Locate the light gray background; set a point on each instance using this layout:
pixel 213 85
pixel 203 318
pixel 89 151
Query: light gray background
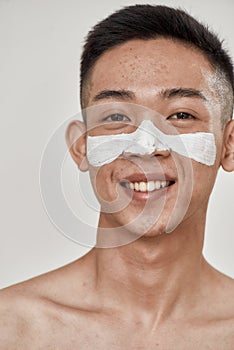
pixel 40 47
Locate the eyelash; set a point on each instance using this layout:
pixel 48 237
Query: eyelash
pixel 117 114
pixel 183 116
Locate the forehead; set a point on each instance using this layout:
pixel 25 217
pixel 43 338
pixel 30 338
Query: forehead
pixel 146 66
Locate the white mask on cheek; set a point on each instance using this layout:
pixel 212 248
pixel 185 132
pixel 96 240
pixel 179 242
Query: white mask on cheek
pixel 199 146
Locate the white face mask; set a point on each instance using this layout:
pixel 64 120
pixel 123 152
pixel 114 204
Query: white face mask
pixel 199 146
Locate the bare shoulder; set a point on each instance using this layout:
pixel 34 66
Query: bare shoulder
pixel 34 307
pixel 20 313
pixel 223 308
pixel 225 290
pixel 220 300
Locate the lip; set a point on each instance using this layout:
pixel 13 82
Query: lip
pixel 139 177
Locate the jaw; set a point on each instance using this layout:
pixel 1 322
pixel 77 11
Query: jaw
pixel 124 230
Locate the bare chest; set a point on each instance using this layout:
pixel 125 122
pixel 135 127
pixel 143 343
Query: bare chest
pixel 97 333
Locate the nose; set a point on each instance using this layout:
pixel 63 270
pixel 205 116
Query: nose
pixel 148 141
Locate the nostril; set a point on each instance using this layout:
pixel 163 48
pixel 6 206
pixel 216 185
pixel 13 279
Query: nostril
pixel 162 152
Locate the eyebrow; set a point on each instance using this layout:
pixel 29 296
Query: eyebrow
pixel 183 92
pixel 118 94
pixel 165 93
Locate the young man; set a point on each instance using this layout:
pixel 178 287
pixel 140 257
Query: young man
pixel 154 68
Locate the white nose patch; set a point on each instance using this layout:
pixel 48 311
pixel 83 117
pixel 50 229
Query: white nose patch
pixel 147 138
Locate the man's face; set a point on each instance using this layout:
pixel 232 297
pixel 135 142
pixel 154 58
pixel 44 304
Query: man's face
pixel 145 73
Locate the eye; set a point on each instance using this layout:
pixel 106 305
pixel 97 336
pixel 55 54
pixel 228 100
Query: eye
pixel 181 115
pixel 116 117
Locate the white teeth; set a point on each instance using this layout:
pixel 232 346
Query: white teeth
pixel 147 186
pixel 157 185
pixel 142 186
pixel 150 186
pixel 163 184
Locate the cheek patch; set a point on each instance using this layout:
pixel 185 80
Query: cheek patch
pixel 147 138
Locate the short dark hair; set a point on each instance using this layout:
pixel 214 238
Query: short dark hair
pixel 151 22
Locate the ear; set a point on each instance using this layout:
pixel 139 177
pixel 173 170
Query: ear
pixel 227 157
pixel 76 142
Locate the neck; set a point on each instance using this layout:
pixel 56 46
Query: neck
pixel 154 274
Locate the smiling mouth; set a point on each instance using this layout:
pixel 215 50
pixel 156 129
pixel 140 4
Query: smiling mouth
pixel 146 186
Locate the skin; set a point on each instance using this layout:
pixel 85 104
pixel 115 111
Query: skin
pixel 157 292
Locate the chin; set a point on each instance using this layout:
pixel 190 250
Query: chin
pixel 147 227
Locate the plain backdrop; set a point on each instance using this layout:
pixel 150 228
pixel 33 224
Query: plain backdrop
pixel 41 42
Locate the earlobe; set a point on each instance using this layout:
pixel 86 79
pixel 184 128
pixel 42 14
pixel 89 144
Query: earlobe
pixel 76 142
pixel 227 158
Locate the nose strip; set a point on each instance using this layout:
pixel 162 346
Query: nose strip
pixel 146 139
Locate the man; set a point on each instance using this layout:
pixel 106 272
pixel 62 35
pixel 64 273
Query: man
pixel 143 67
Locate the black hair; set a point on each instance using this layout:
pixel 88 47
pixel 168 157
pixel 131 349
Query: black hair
pixel 150 22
